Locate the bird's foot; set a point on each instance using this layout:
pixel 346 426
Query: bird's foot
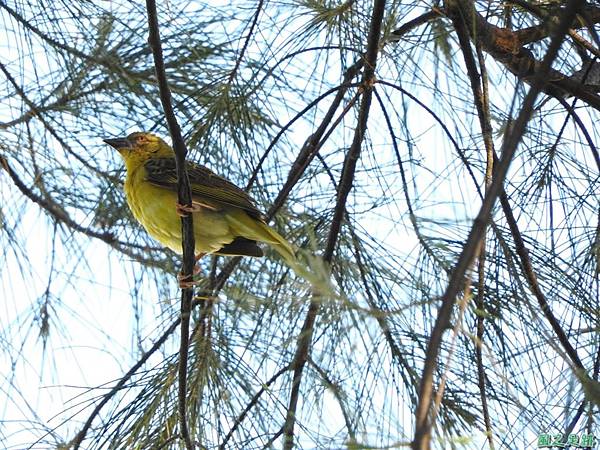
pixel 189 281
pixel 186 210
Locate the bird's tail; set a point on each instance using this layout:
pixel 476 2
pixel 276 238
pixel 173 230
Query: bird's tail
pixel 257 230
pixel 310 267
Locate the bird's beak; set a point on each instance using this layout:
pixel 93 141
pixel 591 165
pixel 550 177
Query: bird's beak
pixel 118 143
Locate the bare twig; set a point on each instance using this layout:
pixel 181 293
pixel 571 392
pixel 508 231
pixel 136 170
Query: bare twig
pixel 124 379
pixel 534 285
pixel 253 401
pixel 346 182
pixel 479 90
pixel 447 132
pixel 479 301
pixel 308 149
pixel 238 61
pixel 414 23
pixel 517 237
pixel 61 216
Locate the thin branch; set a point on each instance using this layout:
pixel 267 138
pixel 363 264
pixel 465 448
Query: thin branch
pixel 238 61
pixel 298 363
pixel 53 42
pixel 184 197
pixel 335 390
pixel 61 216
pixel 517 237
pixel 479 301
pixel 395 349
pixel 444 127
pixel 124 379
pixel 411 213
pixel 33 107
pixel 346 182
pixel 56 105
pixel 523 253
pixel 583 130
pixel 253 401
pixel 304 157
pixel 424 18
pixel 508 49
pixel 422 435
pixel 57 213
pixel 483 113
pixel 542 31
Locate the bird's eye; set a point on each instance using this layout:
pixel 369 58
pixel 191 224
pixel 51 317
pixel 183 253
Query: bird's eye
pixel 140 139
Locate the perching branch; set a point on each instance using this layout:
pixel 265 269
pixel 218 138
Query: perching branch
pixel 184 197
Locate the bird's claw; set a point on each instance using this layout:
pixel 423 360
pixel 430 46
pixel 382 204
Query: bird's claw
pixel 185 210
pixel 189 281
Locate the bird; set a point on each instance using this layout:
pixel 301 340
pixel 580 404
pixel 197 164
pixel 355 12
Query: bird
pixel 226 220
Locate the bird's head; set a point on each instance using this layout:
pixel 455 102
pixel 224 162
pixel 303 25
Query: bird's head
pixel 140 146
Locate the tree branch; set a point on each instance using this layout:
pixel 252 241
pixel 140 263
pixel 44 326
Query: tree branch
pixel 507 47
pixel 253 401
pixel 347 179
pixel 397 34
pixel 61 216
pixel 483 113
pixel 238 61
pixel 184 197
pixel 422 435
pixel 534 286
pixel 542 31
pixel 124 379
pixel 516 234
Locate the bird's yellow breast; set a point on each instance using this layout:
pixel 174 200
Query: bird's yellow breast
pixel 154 208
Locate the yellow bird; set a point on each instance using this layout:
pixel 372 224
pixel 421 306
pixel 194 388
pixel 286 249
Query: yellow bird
pixel 226 221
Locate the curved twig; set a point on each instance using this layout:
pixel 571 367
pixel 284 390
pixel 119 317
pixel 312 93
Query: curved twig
pixel 346 182
pixel 124 379
pixel 238 61
pixel 422 435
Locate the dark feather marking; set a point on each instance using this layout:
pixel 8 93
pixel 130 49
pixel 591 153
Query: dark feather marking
pixel 241 247
pixel 208 188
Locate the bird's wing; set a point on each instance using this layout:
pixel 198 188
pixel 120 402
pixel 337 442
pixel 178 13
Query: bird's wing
pixel 207 187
